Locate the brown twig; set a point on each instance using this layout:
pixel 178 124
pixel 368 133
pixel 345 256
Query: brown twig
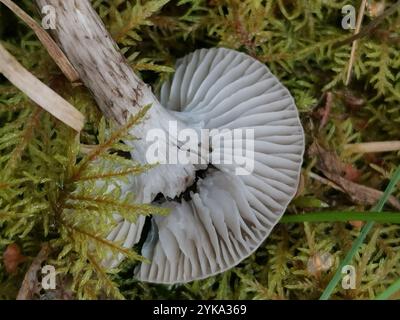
pixel 323 180
pixel 30 283
pixel 54 51
pixel 334 169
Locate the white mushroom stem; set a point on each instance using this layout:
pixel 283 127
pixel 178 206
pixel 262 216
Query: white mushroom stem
pixel 117 90
pixel 94 54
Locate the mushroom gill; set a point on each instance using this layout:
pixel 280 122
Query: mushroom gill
pixel 229 215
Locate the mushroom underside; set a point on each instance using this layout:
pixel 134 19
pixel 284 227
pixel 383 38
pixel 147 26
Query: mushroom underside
pixel 227 215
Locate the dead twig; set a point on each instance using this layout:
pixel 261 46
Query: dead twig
pixel 30 283
pixel 334 169
pixel 325 181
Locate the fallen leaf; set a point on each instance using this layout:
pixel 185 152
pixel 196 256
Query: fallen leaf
pixel 335 170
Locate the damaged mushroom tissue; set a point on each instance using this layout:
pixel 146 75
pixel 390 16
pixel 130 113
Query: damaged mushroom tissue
pixel 239 128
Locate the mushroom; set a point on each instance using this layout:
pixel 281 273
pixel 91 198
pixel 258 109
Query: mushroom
pixel 229 215
pixel 220 212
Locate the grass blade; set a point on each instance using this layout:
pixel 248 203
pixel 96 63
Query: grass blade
pixel 389 291
pixel 360 239
pixel 343 216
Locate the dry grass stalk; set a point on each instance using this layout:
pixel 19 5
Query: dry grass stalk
pixel 54 51
pixel 371 147
pixel 355 42
pixel 39 92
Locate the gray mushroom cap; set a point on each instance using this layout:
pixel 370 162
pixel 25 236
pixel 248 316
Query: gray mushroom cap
pixel 229 215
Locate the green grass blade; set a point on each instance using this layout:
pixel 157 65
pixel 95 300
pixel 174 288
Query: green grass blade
pixel 389 291
pixel 343 216
pixel 360 239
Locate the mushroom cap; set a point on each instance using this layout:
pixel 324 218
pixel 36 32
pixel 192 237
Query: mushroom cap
pixel 229 215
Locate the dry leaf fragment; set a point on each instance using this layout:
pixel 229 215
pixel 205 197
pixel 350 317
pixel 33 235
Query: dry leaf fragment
pixel 12 258
pixel 335 170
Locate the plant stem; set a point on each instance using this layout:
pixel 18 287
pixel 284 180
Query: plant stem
pixel 355 42
pixel 343 216
pixel 368 147
pixel 372 25
pixel 40 93
pixel 389 291
pixel 358 242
